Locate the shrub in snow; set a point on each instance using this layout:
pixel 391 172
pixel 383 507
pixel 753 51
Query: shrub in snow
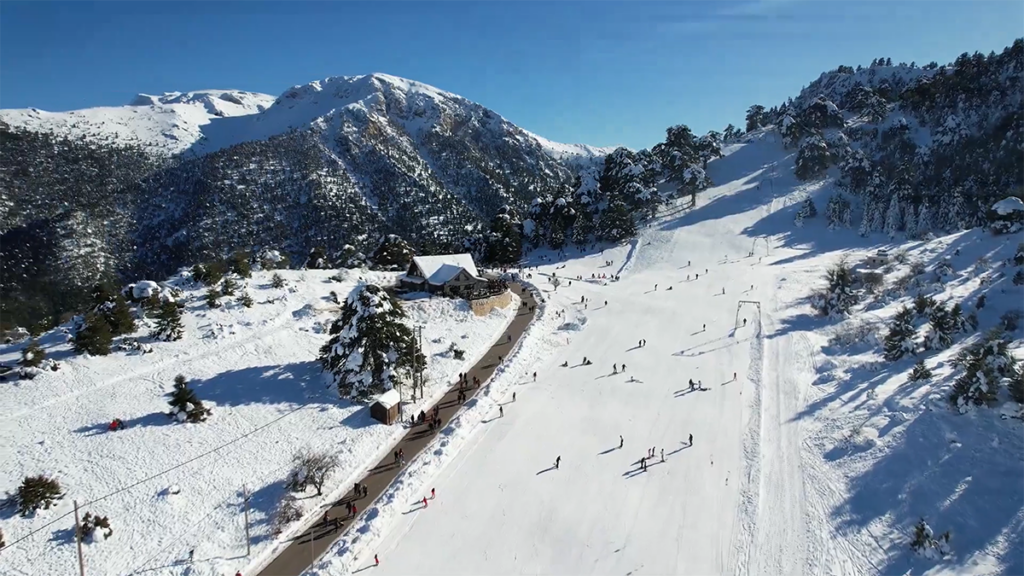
pixel 872 281
pixel 839 296
pixel 456 352
pixel 185 405
pixel 920 372
pixel 1006 216
pixel 213 298
pixel 392 253
pixel 900 340
pixel 133 345
pixel 94 336
pixel 982 300
pixel 90 524
pixel 370 348
pixel 925 544
pixel 313 469
pixel 1018 256
pixel 986 364
pixel 334 297
pixel 36 492
pixel 277 281
pixel 317 259
pixel 228 287
pixel 245 300
pixel 273 260
pixel 287 511
pixel 209 273
pixel 168 322
pixel 1018 277
pixel 807 209
pixel 32 354
pixel 852 332
pixel 1010 320
pixel 240 264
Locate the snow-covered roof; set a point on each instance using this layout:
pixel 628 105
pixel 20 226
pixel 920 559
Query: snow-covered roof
pixel 389 399
pixel 442 268
pixel 1008 206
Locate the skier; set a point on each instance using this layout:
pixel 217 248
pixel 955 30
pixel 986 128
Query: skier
pixel 704 328
pixel 615 368
pixel 534 376
pixel 733 375
pixel 623 367
pixel 643 463
pixel 605 302
pixel 662 454
pixel 565 364
pixel 620 441
pixel 513 396
pixel 432 493
pixel 691 440
pixel 424 501
pixel 501 411
pixel 558 461
pixel 191 555
pixel 744 321
pixel 723 289
pixel 655 287
pixel 376 561
pixel 640 344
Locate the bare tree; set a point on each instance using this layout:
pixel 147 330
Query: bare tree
pixel 287 511
pixel 312 468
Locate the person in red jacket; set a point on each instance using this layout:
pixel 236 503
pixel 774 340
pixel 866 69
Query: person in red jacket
pixel 432 493
pixel 424 501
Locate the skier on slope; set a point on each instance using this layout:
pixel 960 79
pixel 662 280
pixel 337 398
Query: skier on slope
pixel 620 441
pixel 558 461
pixel 691 440
pixel 615 368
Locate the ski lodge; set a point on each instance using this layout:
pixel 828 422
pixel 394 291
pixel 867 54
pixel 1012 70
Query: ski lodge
pixel 447 274
pixel 386 408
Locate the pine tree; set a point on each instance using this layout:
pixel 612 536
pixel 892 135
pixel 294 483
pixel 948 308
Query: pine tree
pixel 505 240
pixel 920 372
pixel 812 158
pixel 32 354
pixel 228 287
pixel 185 405
pixel 839 297
pixel 808 208
pixel 1018 277
pixel 277 281
pixel 986 364
pixel 119 316
pixel 37 492
pixel 392 253
pixel 943 327
pixel 894 217
pixel 168 322
pixel 616 223
pixel 957 320
pixel 900 339
pixel 240 264
pixel 371 348
pixel 212 298
pixel 922 304
pixel 924 221
pixel 1018 255
pixel 94 336
pixel 910 223
pixel 837 212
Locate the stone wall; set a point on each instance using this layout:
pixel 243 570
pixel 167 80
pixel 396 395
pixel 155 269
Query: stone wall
pixel 483 307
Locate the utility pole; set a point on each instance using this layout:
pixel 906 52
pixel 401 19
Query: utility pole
pixel 420 330
pixel 78 540
pixel 245 511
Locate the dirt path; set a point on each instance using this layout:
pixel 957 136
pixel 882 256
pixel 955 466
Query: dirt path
pixel 309 545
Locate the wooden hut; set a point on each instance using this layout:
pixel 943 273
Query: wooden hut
pixel 385 409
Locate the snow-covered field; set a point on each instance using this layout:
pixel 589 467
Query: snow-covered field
pixel 257 369
pixel 817 458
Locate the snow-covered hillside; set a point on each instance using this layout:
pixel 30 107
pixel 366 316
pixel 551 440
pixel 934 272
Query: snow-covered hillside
pixel 169 488
pixel 170 123
pixel 816 457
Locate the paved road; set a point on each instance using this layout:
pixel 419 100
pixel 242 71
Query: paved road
pixel 309 545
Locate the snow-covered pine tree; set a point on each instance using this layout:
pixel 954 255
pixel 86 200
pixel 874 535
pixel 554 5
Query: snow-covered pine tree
pixel 213 297
pixel 900 340
pixel 393 253
pixel 277 281
pixel 925 544
pixel 94 336
pixel 32 354
pixel 371 348
pixel 894 217
pixel 185 405
pixel 839 297
pixel 240 264
pixel 1018 255
pixel 943 328
pixel 812 158
pixel 986 365
pixel 808 208
pixel 119 316
pixel 505 240
pixel 920 372
pixel 798 221
pixel 616 222
pixel 910 223
pixel 924 221
pixel 228 286
pixel 168 322
pixel 837 212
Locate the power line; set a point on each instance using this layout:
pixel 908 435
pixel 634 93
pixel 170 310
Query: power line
pixel 154 476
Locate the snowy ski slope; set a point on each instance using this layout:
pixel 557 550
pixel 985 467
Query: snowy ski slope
pixel 502 508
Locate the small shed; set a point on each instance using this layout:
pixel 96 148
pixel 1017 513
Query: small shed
pixel 877 260
pixel 385 409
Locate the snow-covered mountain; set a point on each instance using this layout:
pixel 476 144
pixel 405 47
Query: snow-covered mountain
pixel 169 123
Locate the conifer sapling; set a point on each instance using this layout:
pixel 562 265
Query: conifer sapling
pixel 32 355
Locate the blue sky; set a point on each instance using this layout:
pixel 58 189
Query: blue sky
pixel 603 73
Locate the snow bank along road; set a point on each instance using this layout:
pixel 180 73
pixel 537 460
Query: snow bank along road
pixel 728 503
